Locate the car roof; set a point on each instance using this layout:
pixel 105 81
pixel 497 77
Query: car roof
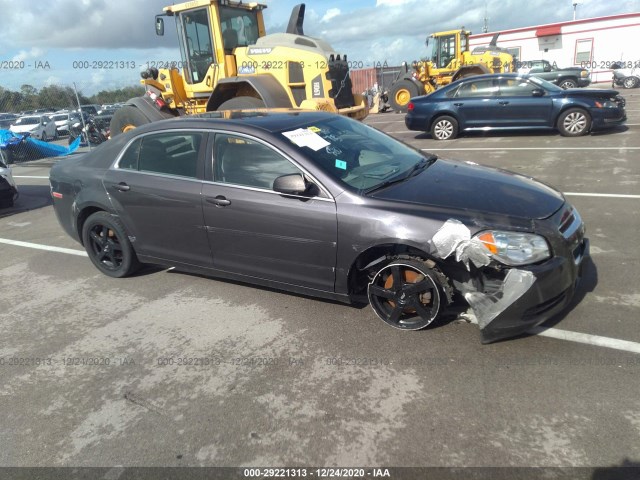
pixel 267 121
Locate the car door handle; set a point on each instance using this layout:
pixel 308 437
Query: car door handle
pixel 218 201
pixel 123 187
pixel 504 102
pixel 458 104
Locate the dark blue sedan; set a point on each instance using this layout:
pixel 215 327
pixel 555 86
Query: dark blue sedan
pixel 512 101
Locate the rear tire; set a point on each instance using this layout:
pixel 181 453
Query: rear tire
pixel 574 122
pixel 400 94
pixel 631 82
pixel 241 103
pixel 127 118
pixel 108 245
pixel 444 128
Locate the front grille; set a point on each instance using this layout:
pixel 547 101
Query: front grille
pixel 570 223
pixel 338 75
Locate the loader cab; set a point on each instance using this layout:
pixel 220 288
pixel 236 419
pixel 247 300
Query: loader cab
pixel 209 31
pixel 445 47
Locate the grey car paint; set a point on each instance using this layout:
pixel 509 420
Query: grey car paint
pixel 320 245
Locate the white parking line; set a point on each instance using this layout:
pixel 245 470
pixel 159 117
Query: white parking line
pixel 48 248
pixel 569 336
pixel 29 176
pixel 585 338
pixel 608 195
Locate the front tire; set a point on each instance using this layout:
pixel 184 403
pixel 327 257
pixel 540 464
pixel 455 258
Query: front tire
pixel 568 83
pixel 574 122
pixel 401 93
pixel 241 103
pixel 405 294
pixel 444 128
pixel 108 245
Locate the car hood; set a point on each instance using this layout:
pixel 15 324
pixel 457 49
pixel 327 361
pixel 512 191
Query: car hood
pixel 593 93
pixel 23 128
pixel 468 186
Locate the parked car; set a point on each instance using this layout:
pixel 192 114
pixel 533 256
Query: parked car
pixel 39 126
pixel 512 101
pixel 64 121
pixel 570 77
pixel 90 109
pixel 8 188
pixel 6 119
pixel 321 204
pixel 626 77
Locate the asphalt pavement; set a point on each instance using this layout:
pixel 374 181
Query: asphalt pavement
pixel 172 369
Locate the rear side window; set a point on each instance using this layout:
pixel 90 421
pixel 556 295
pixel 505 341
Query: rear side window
pixel 129 159
pixel 164 153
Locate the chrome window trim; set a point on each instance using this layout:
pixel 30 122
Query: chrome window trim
pixel 280 152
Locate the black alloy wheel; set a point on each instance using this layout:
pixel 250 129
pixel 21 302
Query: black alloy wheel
pixel 108 246
pixel 405 294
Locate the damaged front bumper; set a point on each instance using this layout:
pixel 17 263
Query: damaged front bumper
pixel 508 301
pixel 519 306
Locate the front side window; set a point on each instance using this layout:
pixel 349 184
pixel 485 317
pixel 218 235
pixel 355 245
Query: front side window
pixel 516 87
pixel 479 88
pixel 241 161
pixel 164 153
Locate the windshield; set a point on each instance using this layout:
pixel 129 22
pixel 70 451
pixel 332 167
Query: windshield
pixel 57 118
pixel 28 121
pixel 545 84
pixel 360 157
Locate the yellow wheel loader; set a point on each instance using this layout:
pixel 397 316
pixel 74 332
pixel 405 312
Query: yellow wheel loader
pixel 448 60
pixel 228 62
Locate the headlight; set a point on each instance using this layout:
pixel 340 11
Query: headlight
pixel 606 104
pixel 512 248
pixel 584 73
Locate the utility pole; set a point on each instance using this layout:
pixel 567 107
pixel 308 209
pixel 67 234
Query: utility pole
pixel 485 26
pixel 575 7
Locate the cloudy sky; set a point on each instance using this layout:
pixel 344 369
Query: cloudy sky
pixel 53 36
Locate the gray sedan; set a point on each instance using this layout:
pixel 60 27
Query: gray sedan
pixel 322 205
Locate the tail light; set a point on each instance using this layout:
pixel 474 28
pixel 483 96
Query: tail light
pixel 410 107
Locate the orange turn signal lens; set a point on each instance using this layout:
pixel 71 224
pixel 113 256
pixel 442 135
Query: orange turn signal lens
pixel 489 242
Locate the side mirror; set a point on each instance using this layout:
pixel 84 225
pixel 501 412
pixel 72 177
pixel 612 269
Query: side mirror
pixel 537 92
pixel 159 25
pixel 292 184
